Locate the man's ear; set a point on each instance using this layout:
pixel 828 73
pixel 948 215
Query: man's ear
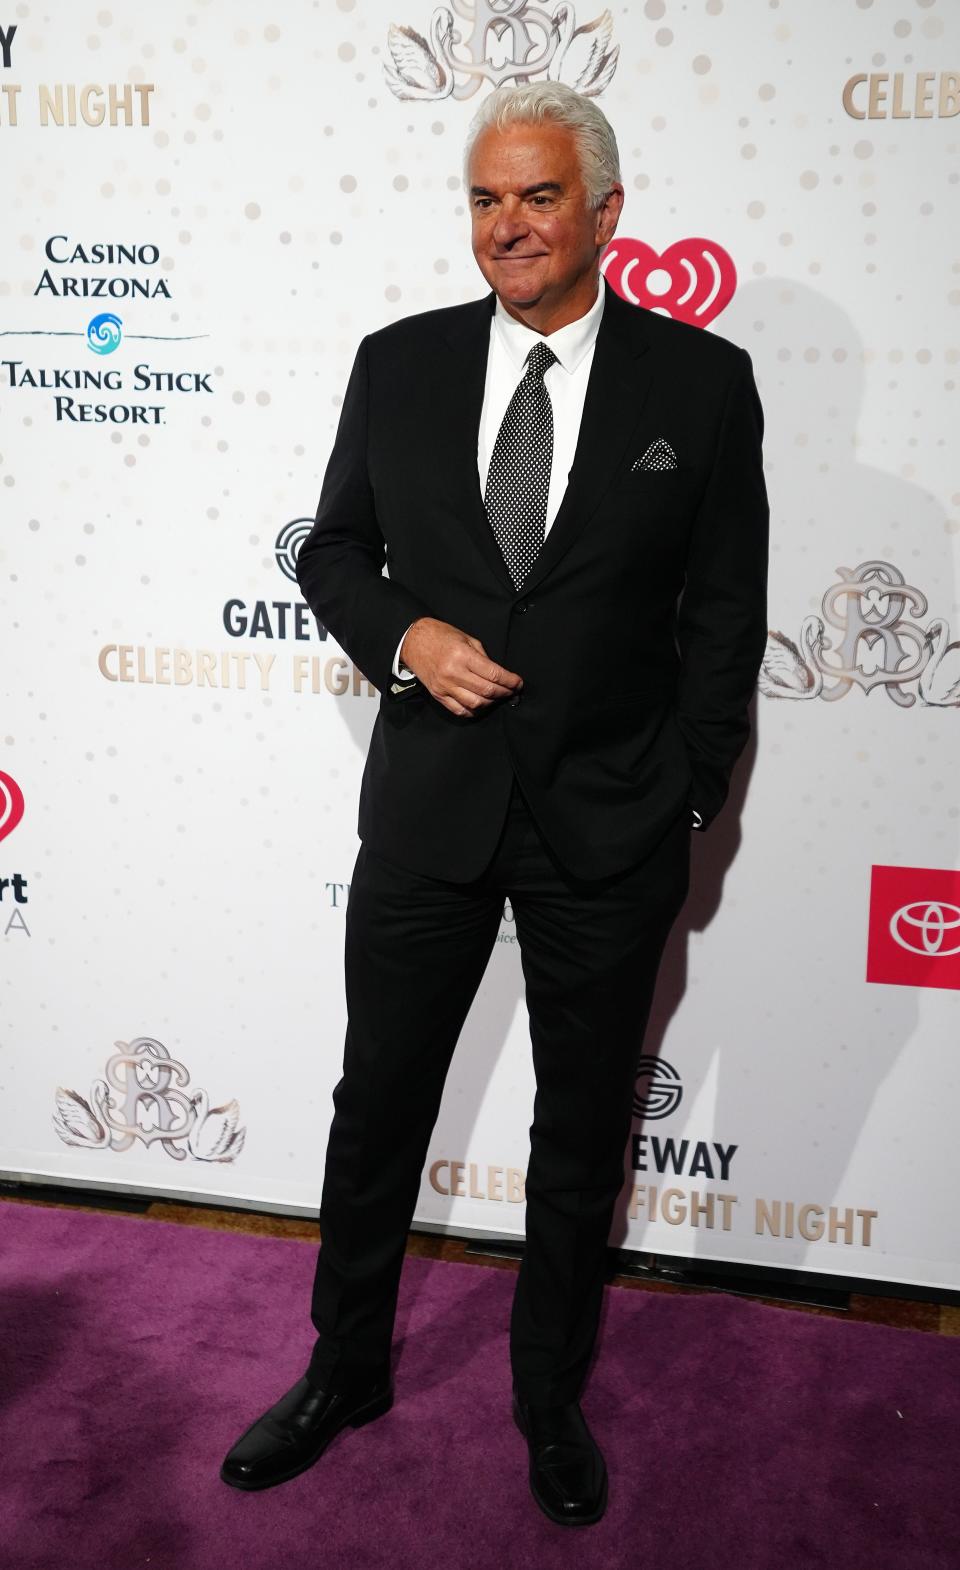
pixel 608 216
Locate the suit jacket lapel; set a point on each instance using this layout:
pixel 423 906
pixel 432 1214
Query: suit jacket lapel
pixel 458 401
pixel 616 392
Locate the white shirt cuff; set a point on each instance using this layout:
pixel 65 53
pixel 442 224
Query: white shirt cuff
pixel 400 670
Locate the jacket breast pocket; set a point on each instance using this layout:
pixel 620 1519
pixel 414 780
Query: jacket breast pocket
pixel 665 492
pixel 667 480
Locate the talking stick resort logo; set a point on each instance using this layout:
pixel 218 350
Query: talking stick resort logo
pixel 498 41
pixel 138 1100
pixel 127 277
pixel 104 393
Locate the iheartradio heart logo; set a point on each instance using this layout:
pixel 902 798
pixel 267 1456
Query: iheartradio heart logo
pixel 11 804
pixel 691 280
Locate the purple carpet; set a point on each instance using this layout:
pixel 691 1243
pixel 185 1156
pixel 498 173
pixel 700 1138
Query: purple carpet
pixel 751 1438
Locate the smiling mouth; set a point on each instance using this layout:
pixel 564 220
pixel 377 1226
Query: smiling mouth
pixel 535 258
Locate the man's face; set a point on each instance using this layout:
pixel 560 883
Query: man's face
pixel 534 237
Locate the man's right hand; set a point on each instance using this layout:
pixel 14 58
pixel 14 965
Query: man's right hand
pixel 455 668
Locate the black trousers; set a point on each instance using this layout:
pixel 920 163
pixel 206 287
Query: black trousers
pixel 416 949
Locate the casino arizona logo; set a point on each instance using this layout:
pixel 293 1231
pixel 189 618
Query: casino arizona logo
pixel 62 252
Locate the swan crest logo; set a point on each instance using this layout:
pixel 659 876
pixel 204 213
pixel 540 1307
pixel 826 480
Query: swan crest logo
pixel 139 1100
pixel 501 41
pixel 878 646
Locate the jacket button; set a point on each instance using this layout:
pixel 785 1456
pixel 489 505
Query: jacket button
pixel 514 700
pixel 521 607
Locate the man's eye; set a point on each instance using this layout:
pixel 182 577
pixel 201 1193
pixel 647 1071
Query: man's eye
pixel 481 201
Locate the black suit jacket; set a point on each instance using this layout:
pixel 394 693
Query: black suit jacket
pixel 638 632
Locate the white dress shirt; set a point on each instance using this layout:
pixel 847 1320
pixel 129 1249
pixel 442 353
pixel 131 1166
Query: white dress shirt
pixel 566 382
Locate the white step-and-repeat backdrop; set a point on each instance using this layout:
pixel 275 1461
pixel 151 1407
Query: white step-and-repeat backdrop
pixel 206 205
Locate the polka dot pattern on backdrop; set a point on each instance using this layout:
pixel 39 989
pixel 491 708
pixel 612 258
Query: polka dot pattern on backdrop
pixel 518 479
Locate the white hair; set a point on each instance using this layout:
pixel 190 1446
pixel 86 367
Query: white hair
pixel 553 101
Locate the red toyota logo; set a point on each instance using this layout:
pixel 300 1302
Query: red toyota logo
pixel 11 804
pixel 914 938
pixel 691 280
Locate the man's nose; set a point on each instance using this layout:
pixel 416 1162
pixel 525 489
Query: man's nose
pixel 511 224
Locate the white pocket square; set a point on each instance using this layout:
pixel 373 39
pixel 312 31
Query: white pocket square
pixel 659 455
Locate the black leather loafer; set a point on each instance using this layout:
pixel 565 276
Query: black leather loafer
pixel 293 1433
pixel 568 1475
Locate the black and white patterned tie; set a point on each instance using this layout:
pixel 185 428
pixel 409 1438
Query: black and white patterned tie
pixel 518 479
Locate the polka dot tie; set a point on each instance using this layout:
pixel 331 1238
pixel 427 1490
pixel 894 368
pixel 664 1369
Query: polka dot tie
pixel 518 480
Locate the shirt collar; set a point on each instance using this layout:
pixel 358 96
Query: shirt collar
pixel 569 343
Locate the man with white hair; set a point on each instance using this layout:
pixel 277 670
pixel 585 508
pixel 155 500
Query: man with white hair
pixel 567 492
